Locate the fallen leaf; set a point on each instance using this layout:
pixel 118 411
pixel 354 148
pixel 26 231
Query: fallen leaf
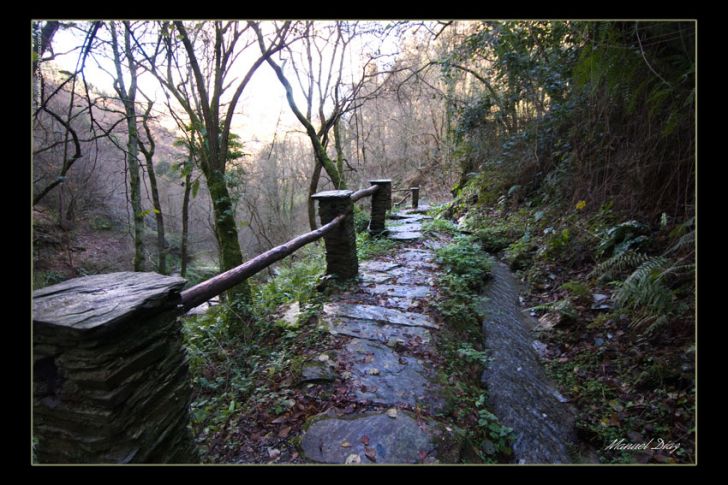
pixel 392 413
pixel 365 440
pixel 294 455
pixel 371 453
pixel 353 458
pixel 283 433
pixel 346 444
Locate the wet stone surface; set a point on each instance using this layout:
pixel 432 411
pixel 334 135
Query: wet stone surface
pixel 368 329
pixel 386 316
pixel 314 371
pixel 518 391
pixel 382 376
pixel 378 314
pixel 398 440
pixel 402 291
pixel 404 236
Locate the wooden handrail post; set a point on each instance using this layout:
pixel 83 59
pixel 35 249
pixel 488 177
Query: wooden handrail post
pixel 381 203
pixel 415 196
pixel 341 259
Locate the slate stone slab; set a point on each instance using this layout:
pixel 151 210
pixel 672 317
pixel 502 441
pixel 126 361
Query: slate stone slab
pixel 110 382
pixel 405 276
pixel 398 440
pixel 91 301
pixel 368 329
pixel 402 291
pixel 409 217
pixel 381 266
pixel 410 227
pixel 378 314
pixel 416 259
pixel 314 371
pixel 404 304
pixel 404 236
pixel 375 277
pixel 382 376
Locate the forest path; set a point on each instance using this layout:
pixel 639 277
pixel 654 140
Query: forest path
pixel 386 358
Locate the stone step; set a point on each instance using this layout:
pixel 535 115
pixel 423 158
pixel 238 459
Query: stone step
pixel 380 375
pixel 381 439
pixel 378 314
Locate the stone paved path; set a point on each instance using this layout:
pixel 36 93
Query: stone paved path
pixel 388 334
pixel 388 330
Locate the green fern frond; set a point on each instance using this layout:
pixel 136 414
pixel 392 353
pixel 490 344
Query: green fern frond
pixel 685 241
pixel 653 266
pixel 619 263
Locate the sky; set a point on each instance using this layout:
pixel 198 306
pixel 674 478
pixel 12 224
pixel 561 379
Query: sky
pixel 262 107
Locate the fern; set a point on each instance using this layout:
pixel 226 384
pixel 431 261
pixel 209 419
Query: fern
pixel 684 242
pixel 619 263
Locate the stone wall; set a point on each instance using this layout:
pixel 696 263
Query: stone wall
pixel 110 375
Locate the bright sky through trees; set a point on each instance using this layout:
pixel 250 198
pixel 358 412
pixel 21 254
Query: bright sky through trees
pixel 262 109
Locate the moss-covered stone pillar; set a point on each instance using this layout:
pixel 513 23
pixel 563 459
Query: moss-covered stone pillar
pixel 381 203
pixel 110 379
pixel 341 260
pixel 415 196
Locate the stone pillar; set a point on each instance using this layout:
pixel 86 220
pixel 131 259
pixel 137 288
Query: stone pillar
pixel 381 203
pixel 110 380
pixel 341 260
pixel 415 196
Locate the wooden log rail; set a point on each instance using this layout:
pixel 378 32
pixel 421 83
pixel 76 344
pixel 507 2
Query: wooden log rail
pixel 202 292
pixel 336 213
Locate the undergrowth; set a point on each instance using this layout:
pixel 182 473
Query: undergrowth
pixel 465 270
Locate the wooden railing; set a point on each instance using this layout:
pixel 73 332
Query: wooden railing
pixel 337 229
pixel 91 334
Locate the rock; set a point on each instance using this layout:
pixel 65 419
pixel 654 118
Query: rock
pixel 101 300
pixel 406 276
pixel 110 373
pixel 378 314
pixel 402 291
pixel 375 277
pixel 380 266
pixel 410 217
pixel 404 236
pixel 314 371
pixel 398 440
pixel 371 330
pixel 290 313
pixel 389 378
pixel 407 227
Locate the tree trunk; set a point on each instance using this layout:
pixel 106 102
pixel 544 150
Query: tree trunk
pixel 185 223
pixel 226 232
pixel 135 184
pixel 312 189
pixel 161 240
pixel 128 98
pixel 149 157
